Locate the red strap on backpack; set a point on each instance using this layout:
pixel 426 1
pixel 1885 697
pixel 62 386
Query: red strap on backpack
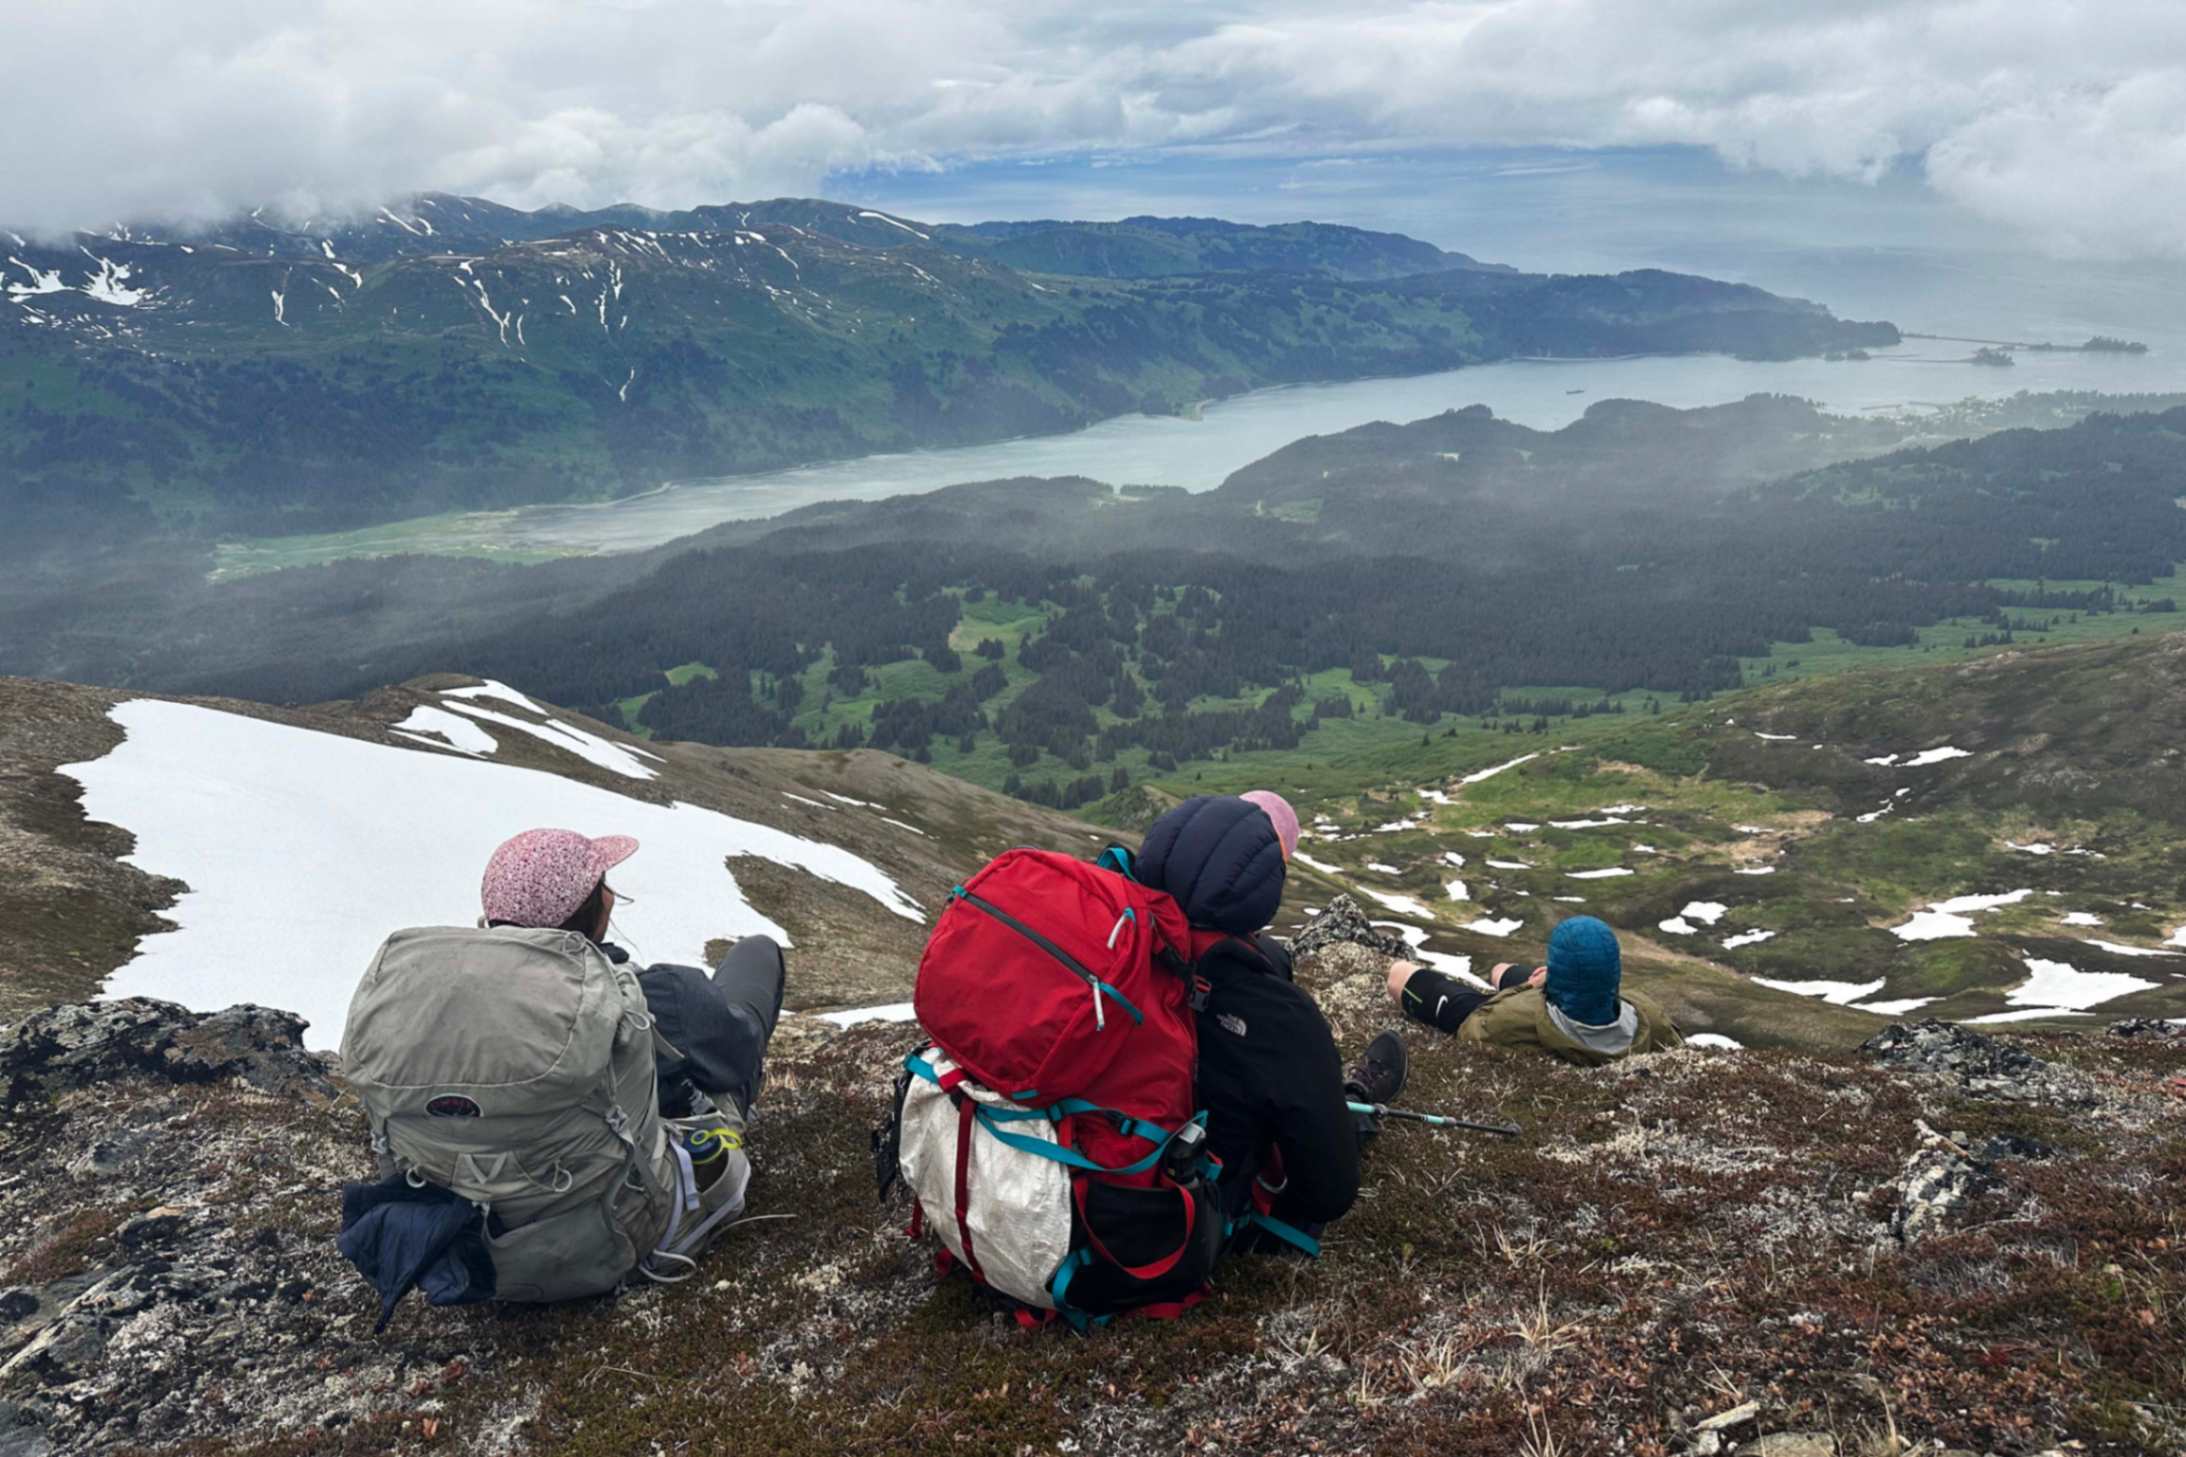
pixel 964 1110
pixel 1156 1269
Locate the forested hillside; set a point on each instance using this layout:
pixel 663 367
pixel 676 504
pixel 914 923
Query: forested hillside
pixel 259 378
pixel 1064 640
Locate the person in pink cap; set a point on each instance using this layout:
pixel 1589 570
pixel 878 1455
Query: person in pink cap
pixel 716 1026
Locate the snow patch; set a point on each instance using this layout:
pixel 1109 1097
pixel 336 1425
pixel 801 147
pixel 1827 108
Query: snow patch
pixel 1456 891
pixel 881 217
pixel 1843 993
pixel 1897 1008
pixel 303 850
pixel 1612 871
pixel 885 1012
pixel 2025 1014
pixel 445 730
pixel 2058 985
pixel 1952 917
pixel 1483 774
pixel 40 282
pixel 502 691
pixel 1926 757
pixel 1403 905
pixel 110 285
pixel 1714 1039
pixel 1747 938
pixel 1489 926
pixel 1312 864
pixel 589 747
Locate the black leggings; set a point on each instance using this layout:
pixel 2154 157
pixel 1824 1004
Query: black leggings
pixel 1442 1001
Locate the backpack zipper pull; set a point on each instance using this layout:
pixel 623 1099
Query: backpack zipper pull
pixel 1100 1017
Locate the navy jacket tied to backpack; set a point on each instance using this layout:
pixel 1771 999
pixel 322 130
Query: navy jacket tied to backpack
pixel 1217 856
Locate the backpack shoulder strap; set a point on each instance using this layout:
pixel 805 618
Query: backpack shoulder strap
pixel 1119 860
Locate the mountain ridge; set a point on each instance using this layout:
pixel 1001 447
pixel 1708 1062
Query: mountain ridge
pixel 397 366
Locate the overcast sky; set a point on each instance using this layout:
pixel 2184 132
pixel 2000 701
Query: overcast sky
pixel 2056 124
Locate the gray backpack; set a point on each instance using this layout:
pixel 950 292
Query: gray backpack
pixel 515 1068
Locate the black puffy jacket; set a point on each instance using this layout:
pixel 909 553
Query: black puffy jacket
pixel 1270 1077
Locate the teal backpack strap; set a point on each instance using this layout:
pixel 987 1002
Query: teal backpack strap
pixel 1041 1148
pixel 1289 1234
pixel 1118 859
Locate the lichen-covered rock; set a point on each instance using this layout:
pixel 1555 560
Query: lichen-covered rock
pixel 1343 922
pixel 2149 1027
pixel 80 1044
pixel 1974 1060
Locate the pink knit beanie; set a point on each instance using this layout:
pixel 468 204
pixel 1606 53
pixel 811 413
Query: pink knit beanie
pixel 1277 809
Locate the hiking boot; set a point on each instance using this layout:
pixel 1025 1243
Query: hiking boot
pixel 1378 1077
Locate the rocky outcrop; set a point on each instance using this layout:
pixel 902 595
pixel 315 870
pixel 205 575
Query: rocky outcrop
pixel 78 1045
pixel 1343 923
pixel 1976 1062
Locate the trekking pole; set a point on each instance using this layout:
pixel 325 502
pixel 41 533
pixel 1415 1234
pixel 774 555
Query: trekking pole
pixel 1434 1120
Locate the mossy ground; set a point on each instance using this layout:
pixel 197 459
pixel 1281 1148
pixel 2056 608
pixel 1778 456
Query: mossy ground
pixel 1767 804
pixel 1666 1240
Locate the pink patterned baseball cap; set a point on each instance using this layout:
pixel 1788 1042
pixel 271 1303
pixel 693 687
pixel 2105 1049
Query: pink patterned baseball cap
pixel 1277 809
pixel 540 877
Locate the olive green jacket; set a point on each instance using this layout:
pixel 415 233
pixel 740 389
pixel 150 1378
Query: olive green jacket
pixel 1521 1017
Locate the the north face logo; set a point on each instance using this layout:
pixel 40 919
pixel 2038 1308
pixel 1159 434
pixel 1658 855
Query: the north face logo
pixel 1231 1023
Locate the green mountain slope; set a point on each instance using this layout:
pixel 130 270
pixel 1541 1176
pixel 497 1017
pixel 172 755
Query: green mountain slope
pixel 1151 247
pixel 260 378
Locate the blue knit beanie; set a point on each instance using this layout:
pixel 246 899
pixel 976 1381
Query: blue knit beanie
pixel 1584 971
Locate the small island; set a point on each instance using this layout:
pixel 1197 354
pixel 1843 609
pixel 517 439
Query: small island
pixel 1991 355
pixel 2105 344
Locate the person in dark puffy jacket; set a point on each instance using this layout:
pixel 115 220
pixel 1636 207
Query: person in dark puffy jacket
pixel 1270 1077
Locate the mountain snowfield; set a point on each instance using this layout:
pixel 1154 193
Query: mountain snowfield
pixel 303 849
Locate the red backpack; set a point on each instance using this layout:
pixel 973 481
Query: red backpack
pixel 1049 1135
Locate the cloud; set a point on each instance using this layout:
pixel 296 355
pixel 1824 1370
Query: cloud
pixel 2060 119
